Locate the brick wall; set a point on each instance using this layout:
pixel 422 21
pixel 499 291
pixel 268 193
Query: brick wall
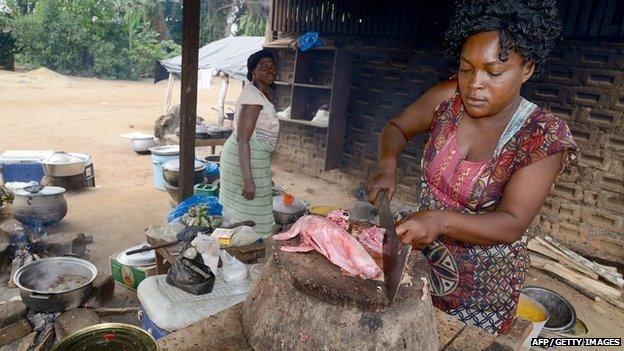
pixel 583 83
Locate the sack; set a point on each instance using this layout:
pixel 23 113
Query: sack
pixel 191 275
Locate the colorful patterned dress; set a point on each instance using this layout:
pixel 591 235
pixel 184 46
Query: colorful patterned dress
pixel 481 284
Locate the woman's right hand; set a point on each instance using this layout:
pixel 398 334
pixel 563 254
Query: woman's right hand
pixel 249 189
pixel 384 178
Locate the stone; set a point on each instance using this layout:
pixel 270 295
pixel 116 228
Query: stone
pixel 103 290
pixel 11 312
pixel 14 332
pixel 74 320
pixel 59 244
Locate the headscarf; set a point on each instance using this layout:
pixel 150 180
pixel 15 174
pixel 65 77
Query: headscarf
pixel 253 60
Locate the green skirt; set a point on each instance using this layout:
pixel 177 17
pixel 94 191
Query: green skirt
pixel 235 206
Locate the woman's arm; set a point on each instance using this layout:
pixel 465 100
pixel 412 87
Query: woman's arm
pixel 522 199
pixel 246 124
pixel 399 130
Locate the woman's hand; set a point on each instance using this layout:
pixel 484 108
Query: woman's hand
pixel 384 178
pixel 249 189
pixel 420 229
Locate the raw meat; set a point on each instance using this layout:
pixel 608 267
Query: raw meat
pixel 373 238
pixel 332 241
pixel 340 217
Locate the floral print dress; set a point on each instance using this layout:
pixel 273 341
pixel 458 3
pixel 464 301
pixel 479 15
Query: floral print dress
pixel 481 284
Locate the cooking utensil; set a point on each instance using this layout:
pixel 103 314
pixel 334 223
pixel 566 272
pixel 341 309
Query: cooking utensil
pixel 67 169
pixel 43 208
pixel 171 172
pixel 108 336
pixel 395 252
pixel 32 278
pixel 562 316
pixel 189 234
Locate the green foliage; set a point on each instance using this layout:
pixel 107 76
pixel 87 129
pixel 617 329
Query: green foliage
pixel 111 39
pixel 249 25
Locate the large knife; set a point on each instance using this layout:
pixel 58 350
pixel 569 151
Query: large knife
pixel 395 252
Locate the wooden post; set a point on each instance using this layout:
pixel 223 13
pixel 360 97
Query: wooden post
pixel 188 95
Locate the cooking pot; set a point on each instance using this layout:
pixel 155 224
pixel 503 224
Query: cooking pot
pixel 171 170
pixel 142 145
pixel 561 314
pixel 288 214
pixel 40 208
pixel 55 284
pixel 62 164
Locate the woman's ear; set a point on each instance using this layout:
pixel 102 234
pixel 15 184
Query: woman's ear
pixel 528 69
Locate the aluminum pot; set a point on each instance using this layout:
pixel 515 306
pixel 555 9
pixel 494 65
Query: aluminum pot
pixel 561 314
pixel 108 336
pixel 65 169
pixel 40 209
pixel 171 172
pixel 142 145
pixel 41 282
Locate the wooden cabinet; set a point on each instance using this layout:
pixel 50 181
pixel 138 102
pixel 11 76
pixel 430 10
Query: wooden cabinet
pixel 307 81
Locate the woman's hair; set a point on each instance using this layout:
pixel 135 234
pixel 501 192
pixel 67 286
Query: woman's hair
pixel 253 60
pixel 529 27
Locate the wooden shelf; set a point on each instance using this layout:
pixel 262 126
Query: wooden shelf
pixel 313 86
pixel 277 82
pixel 303 122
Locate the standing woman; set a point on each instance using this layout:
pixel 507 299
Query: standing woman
pixel 246 191
pixel 491 159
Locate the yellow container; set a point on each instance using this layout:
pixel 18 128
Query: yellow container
pixel 532 310
pixel 322 210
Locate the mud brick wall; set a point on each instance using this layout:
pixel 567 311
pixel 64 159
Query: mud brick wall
pixel 583 83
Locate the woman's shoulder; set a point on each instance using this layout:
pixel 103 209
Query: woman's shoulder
pixel 543 120
pixel 251 96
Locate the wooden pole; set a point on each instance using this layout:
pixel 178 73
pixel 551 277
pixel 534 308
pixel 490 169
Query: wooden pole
pixel 188 95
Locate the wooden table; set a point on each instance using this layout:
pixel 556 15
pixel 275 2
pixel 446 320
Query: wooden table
pixel 213 143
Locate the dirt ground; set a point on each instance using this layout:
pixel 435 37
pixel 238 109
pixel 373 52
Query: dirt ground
pixel 43 110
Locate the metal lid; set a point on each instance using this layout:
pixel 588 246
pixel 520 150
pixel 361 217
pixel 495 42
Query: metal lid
pixel 166 150
pixel 46 191
pixel 108 336
pixel 142 259
pixel 174 165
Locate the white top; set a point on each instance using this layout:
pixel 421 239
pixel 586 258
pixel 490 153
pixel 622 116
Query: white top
pixel 267 126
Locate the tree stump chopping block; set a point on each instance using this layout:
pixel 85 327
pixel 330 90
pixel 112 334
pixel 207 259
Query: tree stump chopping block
pixel 304 302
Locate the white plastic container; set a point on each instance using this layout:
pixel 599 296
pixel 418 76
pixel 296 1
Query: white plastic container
pixel 171 309
pixel 537 324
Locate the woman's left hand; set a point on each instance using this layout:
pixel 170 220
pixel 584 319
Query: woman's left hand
pixel 420 229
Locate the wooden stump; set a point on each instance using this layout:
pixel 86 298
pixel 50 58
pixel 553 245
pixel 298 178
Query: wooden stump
pixel 304 302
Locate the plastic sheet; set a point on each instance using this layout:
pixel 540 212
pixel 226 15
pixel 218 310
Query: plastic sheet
pixel 233 269
pixel 214 207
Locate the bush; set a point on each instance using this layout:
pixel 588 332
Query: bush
pixel 110 39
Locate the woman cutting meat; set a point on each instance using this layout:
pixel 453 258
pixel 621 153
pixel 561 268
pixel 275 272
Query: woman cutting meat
pixel 246 191
pixel 490 161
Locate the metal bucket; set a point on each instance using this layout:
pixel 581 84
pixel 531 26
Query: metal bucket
pixel 561 314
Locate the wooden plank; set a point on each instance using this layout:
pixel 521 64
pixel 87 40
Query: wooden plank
pixel 339 102
pixel 471 338
pixel 316 20
pixel 598 17
pixel 582 24
pixel 614 278
pixel 514 337
pixel 607 28
pixel 535 246
pixel 188 95
pixel 14 332
pixel 26 343
pixel 540 263
pixel 449 327
pixel 573 13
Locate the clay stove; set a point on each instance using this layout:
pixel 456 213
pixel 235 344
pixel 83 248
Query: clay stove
pixel 304 302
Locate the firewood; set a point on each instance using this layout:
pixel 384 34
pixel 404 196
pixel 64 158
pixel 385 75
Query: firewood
pixel 537 246
pixel 566 274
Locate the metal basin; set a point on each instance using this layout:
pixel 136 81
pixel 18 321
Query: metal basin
pixel 142 145
pixel 562 316
pixel 171 172
pixel 65 169
pixel 108 336
pixel 55 284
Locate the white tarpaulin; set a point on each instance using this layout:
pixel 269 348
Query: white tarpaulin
pixel 227 55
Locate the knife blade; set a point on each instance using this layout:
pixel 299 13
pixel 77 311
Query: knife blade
pixel 395 252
